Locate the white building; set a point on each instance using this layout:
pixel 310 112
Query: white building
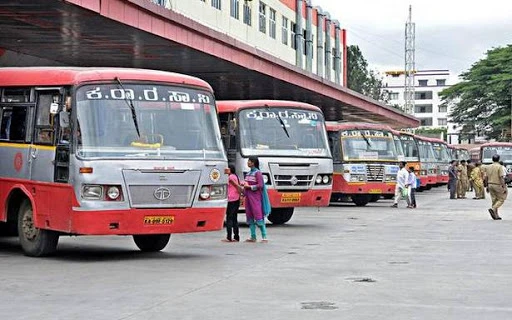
pixel 427 103
pixel 271 26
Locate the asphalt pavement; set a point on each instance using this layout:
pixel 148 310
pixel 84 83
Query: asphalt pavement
pixel 444 260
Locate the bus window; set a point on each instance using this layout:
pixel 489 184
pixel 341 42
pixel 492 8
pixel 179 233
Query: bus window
pixel 13 125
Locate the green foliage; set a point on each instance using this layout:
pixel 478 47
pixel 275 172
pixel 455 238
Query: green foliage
pixel 482 101
pixel 360 78
pixel 432 132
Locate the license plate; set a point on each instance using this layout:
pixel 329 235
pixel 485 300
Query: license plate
pixel 158 220
pixel 375 191
pixel 290 197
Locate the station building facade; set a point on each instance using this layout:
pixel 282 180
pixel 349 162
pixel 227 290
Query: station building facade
pixel 293 31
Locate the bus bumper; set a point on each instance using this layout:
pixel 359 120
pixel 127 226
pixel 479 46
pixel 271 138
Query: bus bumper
pixel 146 221
pixel 341 186
pixel 310 198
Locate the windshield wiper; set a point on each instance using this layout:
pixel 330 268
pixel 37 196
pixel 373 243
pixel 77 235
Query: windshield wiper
pixel 367 140
pixel 280 121
pixel 132 108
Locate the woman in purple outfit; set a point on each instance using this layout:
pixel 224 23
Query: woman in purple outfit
pixel 253 189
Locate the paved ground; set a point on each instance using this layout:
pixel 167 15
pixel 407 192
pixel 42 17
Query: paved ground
pixel 444 260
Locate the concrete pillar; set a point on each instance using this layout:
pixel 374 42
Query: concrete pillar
pixel 309 36
pixel 299 37
pixel 320 43
pixel 328 47
pixel 337 53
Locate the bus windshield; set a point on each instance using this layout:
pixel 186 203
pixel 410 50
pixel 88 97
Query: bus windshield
pixel 368 145
pixel 441 152
pixel 399 148
pixel 410 147
pixel 147 122
pixel 504 152
pixel 426 152
pixel 463 154
pixel 303 135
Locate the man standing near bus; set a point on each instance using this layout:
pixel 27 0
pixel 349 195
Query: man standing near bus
pixel 402 184
pixel 452 179
pixel 496 186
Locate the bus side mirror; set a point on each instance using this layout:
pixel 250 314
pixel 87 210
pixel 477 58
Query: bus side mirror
pixel 64 119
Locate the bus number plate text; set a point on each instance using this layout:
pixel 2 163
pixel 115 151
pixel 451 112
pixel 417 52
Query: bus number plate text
pixel 375 191
pixel 290 198
pixel 158 220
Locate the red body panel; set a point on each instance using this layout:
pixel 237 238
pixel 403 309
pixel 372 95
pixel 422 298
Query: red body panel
pixel 340 185
pixel 311 198
pixel 55 208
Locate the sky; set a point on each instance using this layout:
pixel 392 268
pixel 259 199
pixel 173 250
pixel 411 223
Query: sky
pixel 450 34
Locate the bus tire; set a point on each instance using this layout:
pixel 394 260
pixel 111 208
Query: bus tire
pixel 374 197
pixel 151 242
pixel 280 215
pixel 35 242
pixel 360 200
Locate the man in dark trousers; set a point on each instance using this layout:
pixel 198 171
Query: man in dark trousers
pixel 452 179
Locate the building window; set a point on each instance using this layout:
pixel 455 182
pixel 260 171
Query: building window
pixel 422 83
pixel 235 9
pixel 263 17
pixel 425 121
pixel 442 122
pixel 284 31
pixel 247 13
pixel 441 82
pixel 272 23
pixel 304 42
pixel 423 95
pixel 394 96
pixel 292 37
pixel 216 4
pixel 423 108
pixel 443 109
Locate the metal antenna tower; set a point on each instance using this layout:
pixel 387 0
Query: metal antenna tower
pixel 410 31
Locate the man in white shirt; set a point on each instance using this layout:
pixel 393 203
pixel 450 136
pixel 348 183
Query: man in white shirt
pixel 402 183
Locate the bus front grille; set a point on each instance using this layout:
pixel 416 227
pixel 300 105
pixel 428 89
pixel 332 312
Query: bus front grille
pixel 375 172
pixel 160 196
pixel 298 181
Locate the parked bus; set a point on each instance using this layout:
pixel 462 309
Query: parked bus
pixel 411 149
pixel 108 151
pixel 459 153
pixel 290 141
pixel 428 161
pixel 365 161
pixel 503 149
pixel 443 158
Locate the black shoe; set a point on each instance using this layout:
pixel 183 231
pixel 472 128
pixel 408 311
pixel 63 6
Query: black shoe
pixel 498 218
pixel 394 205
pixel 493 215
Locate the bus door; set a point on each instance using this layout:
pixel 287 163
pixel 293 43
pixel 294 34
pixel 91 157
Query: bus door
pixel 228 134
pixel 46 134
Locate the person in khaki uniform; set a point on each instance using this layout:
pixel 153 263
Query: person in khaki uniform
pixel 462 183
pixel 496 186
pixel 470 166
pixel 478 181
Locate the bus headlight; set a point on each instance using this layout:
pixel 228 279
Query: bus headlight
pixel 113 193
pixel 213 192
pixel 357 177
pixel 326 179
pixel 318 179
pixel 92 192
pixel 265 178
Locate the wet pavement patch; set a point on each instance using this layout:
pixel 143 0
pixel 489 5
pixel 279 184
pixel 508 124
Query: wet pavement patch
pixel 319 305
pixel 361 279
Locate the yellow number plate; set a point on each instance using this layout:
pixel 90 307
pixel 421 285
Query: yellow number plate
pixel 158 220
pixel 375 191
pixel 290 197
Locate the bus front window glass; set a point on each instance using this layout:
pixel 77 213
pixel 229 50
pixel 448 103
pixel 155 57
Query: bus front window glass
pixel 303 134
pixel 368 145
pixel 166 122
pixel 410 147
pixel 505 154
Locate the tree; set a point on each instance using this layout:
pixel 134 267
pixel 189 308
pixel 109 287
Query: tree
pixel 481 103
pixel 360 78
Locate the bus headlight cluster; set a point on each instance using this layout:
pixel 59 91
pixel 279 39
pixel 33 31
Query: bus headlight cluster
pixel 266 179
pixel 212 192
pixel 357 177
pixel 102 192
pixel 423 172
pixel 391 178
pixel 323 179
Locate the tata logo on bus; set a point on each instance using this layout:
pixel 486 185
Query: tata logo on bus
pixel 285 114
pixel 162 193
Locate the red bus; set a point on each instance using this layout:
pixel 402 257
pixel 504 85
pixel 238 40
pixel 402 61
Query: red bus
pixel 290 140
pixel 443 158
pixel 365 161
pixel 503 149
pixel 108 151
